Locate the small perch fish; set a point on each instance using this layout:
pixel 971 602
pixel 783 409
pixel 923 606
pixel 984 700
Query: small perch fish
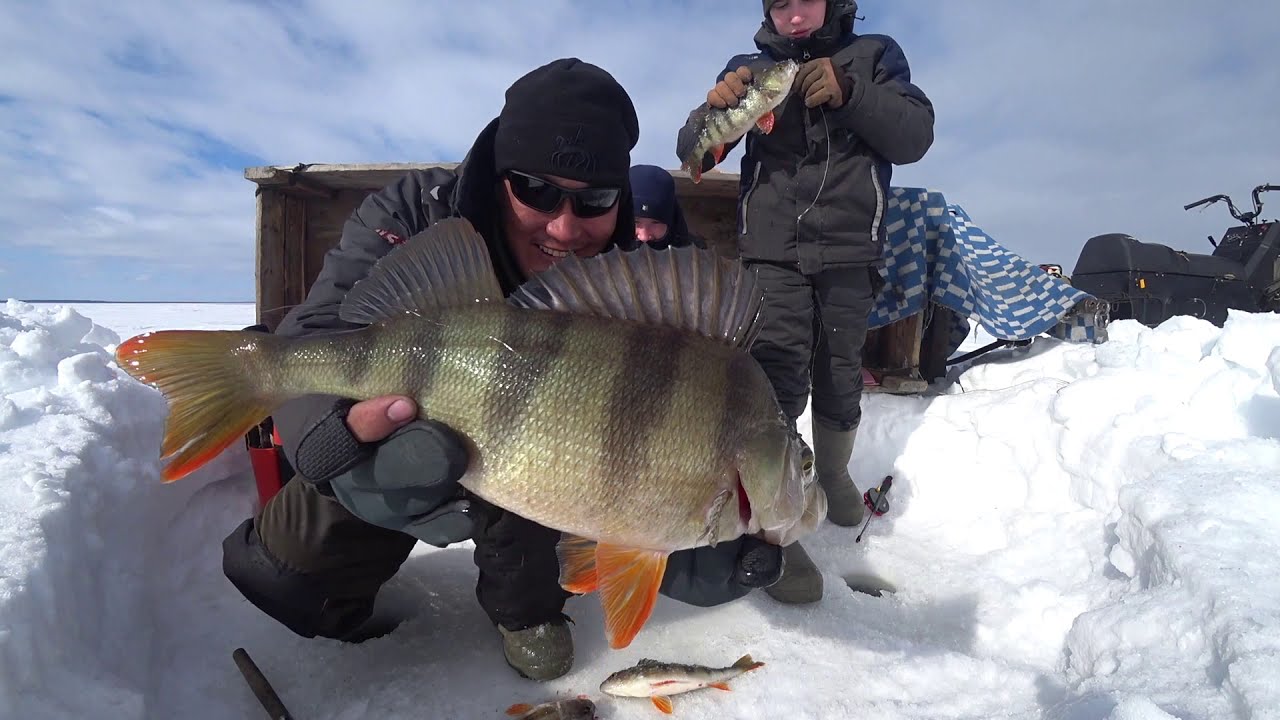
pixel 656 680
pixel 718 127
pixel 579 708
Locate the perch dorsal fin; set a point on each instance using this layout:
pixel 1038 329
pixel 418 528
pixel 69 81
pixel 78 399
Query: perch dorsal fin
pixel 446 265
pixel 685 287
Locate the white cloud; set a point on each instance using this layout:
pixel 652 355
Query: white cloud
pixel 1056 121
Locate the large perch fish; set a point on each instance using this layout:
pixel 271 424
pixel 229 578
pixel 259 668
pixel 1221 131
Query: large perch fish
pixel 716 128
pixel 611 398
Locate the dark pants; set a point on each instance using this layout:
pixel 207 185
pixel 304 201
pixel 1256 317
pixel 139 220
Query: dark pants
pixel 316 568
pixel 812 336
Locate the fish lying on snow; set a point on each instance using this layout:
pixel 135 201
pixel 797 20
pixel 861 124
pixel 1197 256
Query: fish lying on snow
pixel 656 680
pixel 611 398
pixel 717 127
pixel 579 708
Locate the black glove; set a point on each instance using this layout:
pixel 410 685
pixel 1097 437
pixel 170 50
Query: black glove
pixel 709 576
pixel 759 563
pixel 407 482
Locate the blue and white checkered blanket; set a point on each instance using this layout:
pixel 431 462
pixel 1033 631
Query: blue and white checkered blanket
pixel 935 253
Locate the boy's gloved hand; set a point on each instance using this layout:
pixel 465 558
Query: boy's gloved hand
pixel 820 83
pixel 727 91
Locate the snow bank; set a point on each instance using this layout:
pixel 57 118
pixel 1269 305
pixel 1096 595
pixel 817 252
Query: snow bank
pixel 1077 532
pixel 81 509
pixel 1197 624
pixel 1057 502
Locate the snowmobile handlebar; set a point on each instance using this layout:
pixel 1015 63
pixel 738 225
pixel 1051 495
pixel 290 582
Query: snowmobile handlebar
pixel 1257 201
pixel 1247 218
pixel 1208 200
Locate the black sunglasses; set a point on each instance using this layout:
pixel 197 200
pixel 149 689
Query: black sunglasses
pixel 588 202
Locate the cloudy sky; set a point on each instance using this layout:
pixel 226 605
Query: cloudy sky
pixel 125 128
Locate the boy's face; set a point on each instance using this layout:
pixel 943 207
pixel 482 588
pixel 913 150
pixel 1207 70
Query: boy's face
pixel 798 18
pixel 649 230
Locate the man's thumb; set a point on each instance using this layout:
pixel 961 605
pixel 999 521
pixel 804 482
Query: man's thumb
pixel 374 419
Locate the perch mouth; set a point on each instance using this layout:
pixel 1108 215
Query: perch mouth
pixel 744 504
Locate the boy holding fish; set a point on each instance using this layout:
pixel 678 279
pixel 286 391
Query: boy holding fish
pixel 546 179
pixel 826 114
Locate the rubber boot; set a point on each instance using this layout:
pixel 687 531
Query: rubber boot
pixel 831 452
pixel 800 582
pixel 542 652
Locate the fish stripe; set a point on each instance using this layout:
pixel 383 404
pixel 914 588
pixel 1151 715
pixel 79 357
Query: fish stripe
pixel 737 407
pixel 718 431
pixel 680 424
pixel 334 364
pixel 356 354
pixel 517 375
pixel 626 441
pixel 420 359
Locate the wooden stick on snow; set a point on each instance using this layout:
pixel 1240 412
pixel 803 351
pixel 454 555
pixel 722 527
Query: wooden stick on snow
pixel 260 686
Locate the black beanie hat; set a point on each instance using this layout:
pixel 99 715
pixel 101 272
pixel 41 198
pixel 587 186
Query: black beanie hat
pixel 568 118
pixel 852 4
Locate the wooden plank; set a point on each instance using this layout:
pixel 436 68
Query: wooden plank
pixel 270 257
pixel 336 177
pixel 714 184
pixel 378 175
pixel 892 354
pixel 902 343
pixel 324 228
pixel 295 246
pixel 285 179
pixel 714 219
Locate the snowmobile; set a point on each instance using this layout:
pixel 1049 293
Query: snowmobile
pixel 1150 283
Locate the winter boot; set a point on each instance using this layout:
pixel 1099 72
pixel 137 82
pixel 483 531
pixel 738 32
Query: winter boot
pixel 800 582
pixel 542 652
pixel 831 452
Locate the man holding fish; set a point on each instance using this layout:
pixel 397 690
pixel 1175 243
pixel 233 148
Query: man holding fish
pixel 544 184
pixel 826 114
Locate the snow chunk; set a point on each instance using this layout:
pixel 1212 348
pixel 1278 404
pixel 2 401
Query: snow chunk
pixel 81 511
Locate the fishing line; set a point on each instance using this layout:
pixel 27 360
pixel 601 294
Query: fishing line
pixel 825 167
pixel 1015 386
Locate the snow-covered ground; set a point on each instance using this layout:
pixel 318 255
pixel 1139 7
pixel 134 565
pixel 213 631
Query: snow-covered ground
pixel 129 319
pixel 1077 532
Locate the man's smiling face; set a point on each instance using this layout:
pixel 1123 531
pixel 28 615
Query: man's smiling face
pixel 537 239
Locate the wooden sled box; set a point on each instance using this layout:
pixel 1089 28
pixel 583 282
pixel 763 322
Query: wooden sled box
pixel 301 210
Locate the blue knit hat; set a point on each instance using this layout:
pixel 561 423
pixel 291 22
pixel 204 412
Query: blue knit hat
pixel 653 193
